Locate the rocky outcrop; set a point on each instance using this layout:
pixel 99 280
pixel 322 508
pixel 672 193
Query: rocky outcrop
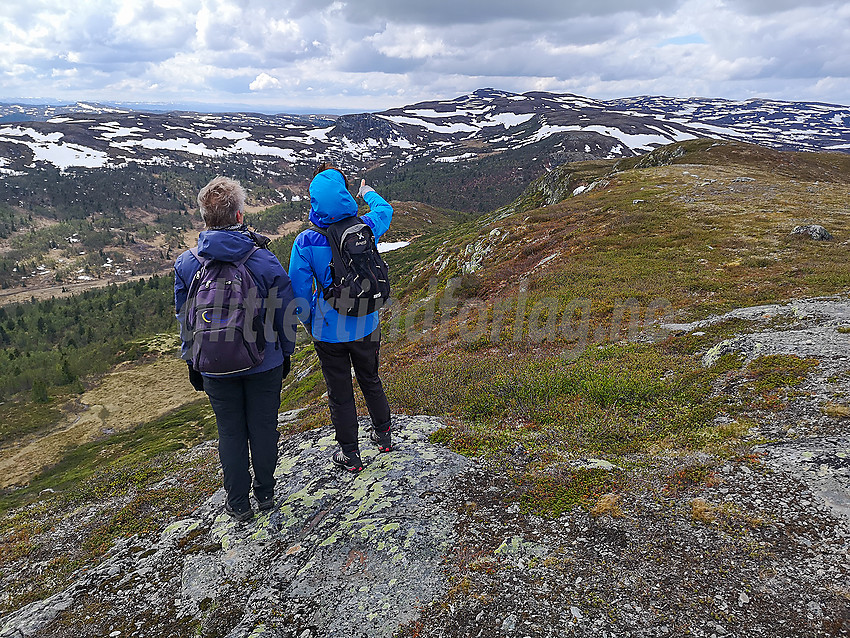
pixel 474 254
pixel 814 231
pixel 340 555
pixel 812 329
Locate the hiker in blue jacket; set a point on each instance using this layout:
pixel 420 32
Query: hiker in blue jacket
pixel 341 341
pixel 245 403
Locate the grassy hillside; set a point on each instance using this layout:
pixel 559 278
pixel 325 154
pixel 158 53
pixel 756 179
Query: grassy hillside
pixel 710 232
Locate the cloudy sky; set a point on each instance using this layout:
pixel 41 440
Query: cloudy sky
pixel 375 54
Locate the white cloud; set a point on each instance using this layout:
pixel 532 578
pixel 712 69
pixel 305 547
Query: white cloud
pixel 374 54
pixel 264 82
pixel 409 42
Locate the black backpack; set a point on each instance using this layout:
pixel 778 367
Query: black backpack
pixel 360 278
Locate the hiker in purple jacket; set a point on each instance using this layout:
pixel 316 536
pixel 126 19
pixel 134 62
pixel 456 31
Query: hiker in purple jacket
pixel 245 401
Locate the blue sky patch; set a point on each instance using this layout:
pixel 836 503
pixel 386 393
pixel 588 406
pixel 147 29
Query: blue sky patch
pixel 691 38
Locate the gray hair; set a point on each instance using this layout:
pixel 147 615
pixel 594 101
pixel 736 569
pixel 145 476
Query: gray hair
pixel 220 200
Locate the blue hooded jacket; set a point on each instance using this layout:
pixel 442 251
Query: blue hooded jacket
pixel 311 258
pixel 232 245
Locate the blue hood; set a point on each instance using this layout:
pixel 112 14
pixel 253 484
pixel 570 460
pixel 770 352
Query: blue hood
pixel 330 200
pixel 224 245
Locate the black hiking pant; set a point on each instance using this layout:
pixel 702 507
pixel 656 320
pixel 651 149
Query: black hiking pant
pixel 246 415
pixel 337 359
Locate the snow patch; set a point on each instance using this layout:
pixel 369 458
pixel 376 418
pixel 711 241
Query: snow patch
pixel 244 146
pixel 113 130
pixel 455 158
pixel 401 142
pixel 221 134
pixel 508 120
pixel 436 128
pixel 637 141
pixel 387 246
pixel 176 144
pixel 17 131
pixel 717 130
pixel 431 113
pixel 319 133
pixel 46 149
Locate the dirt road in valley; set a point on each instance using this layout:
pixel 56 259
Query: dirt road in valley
pixel 116 404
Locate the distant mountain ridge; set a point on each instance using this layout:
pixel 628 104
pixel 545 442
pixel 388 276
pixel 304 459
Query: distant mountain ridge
pixel 484 123
pixel 26 112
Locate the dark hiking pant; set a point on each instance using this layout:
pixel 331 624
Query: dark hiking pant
pixel 246 415
pixel 337 359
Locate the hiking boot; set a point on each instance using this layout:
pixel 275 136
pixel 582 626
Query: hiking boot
pixel 241 515
pixel 382 439
pixel 350 461
pixel 265 504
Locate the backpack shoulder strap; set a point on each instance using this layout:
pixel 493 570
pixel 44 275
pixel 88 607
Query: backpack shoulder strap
pixel 338 264
pixel 247 256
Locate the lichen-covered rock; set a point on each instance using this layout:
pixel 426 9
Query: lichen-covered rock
pixel 473 256
pixel 815 231
pixel 339 555
pixel 742 345
pixel 821 462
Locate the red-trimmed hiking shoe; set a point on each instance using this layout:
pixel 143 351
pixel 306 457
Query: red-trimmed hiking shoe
pixel 383 440
pixel 350 461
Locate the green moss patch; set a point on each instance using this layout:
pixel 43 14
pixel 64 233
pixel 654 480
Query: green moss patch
pixel 551 496
pixel 776 371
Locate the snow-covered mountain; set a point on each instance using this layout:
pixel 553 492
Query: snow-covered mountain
pixel 486 122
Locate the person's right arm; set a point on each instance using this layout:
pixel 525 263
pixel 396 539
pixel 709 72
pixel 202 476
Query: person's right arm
pixel 181 292
pixel 380 212
pixel 180 288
